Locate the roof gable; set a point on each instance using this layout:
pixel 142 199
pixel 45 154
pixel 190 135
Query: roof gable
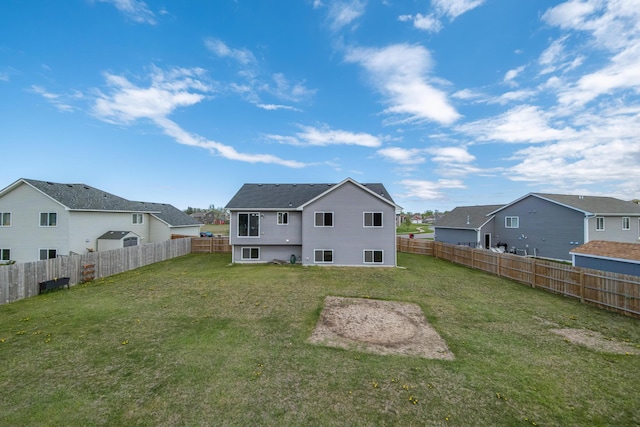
pixel 82 197
pixel 468 217
pixel 293 196
pixel 589 205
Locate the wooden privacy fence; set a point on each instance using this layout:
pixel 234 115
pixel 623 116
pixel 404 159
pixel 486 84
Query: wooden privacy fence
pixel 610 290
pixel 210 245
pixel 21 280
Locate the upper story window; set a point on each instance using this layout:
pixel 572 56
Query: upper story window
pixel 137 218
pixel 249 224
pixel 283 218
pixel 324 219
pixel 48 219
pixel 626 223
pixel 599 223
pixel 5 219
pixel 373 219
pixel 511 222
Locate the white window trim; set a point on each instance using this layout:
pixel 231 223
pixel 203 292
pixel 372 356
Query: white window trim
pixel 373 251
pixel 628 221
pixel 2 214
pixel 280 215
pixel 47 249
pixel 364 222
pixel 323 251
pixel 48 219
pixel 242 257
pixel 137 215
pixel 517 218
pixel 603 224
pixel 238 225
pixel 5 249
pixel 333 218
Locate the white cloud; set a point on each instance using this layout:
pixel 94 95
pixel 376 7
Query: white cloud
pixel 323 137
pixel 282 88
pixel 522 124
pixel 169 90
pixel 61 102
pixel 400 73
pixel 428 190
pixel 451 155
pixel 220 48
pixel 273 107
pixel 343 13
pixel 405 156
pixel 455 8
pixel 512 74
pixel 450 9
pixel 135 10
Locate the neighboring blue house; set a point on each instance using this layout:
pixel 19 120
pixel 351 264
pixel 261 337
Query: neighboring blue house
pixel 622 258
pixel 552 225
pixel 543 225
pixel 467 225
pixel 314 224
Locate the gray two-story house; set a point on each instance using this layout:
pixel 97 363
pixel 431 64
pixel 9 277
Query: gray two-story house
pixel 551 225
pixel 346 224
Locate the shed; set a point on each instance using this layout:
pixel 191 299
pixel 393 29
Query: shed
pixel 117 240
pixel 617 257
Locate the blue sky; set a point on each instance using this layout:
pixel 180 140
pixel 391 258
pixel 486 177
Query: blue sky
pixel 446 102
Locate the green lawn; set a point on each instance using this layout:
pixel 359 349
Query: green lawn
pixel 193 341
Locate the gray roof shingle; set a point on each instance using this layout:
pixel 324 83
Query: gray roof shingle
pixel 287 196
pixel 85 197
pixel 468 217
pixel 592 205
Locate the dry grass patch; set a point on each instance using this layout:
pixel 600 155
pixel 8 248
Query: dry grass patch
pixel 379 327
pixel 595 341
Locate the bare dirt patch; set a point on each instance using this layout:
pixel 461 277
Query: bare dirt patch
pixel 380 327
pixel 595 341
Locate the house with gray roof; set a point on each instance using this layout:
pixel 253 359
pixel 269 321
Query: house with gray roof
pixel 347 223
pixel 552 225
pixel 541 224
pixel 42 219
pixel 467 225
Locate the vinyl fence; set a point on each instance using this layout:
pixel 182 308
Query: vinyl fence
pixel 22 280
pixel 613 291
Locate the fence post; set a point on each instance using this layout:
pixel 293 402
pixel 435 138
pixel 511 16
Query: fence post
pixel 581 286
pixel 533 273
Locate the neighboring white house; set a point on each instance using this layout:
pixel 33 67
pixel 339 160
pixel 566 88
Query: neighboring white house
pixel 314 224
pixel 41 219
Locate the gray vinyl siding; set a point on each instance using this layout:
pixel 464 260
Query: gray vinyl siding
pixel 613 229
pixel 613 266
pixel 456 236
pixel 348 237
pixel 271 233
pixel 549 230
pixel 268 253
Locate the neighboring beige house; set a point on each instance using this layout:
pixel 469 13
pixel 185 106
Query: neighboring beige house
pixel 41 219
